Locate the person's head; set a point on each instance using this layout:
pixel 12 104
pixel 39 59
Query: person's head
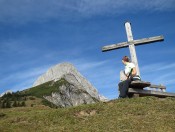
pixel 125 60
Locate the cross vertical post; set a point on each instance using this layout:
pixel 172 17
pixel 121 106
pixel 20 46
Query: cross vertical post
pixel 131 46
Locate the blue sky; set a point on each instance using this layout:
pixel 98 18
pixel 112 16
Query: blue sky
pixel 37 34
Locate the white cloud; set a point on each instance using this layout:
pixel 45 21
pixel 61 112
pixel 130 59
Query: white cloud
pixel 159 73
pixel 14 46
pixel 165 79
pixel 155 67
pixel 22 79
pixel 150 67
pixel 166 66
pixel 21 11
pixel 121 6
pixel 26 74
pixel 23 85
pixel 84 65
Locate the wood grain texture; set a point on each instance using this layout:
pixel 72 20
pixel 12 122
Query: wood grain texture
pixel 135 42
pixel 150 93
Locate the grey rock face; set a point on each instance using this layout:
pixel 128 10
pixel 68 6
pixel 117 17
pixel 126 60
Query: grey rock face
pixel 71 94
pixel 80 91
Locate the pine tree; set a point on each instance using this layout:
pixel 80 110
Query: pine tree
pixel 8 104
pixel 23 104
pixel 15 104
pixel 4 104
pixel 18 104
pixel 25 98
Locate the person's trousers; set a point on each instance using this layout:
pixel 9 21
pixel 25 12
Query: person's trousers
pixel 123 88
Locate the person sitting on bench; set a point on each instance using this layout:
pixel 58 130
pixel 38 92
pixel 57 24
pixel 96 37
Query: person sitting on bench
pixel 131 75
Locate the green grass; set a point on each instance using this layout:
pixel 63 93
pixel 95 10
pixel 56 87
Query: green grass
pixel 147 114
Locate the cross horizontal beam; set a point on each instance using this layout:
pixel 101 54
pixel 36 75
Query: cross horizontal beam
pixel 135 42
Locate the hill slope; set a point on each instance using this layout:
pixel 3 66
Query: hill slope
pixel 60 93
pixel 146 114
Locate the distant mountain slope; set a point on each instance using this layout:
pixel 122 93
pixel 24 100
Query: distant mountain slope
pixel 58 71
pixel 65 92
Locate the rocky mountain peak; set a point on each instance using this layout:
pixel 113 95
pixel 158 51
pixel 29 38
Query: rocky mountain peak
pixel 55 73
pixel 77 81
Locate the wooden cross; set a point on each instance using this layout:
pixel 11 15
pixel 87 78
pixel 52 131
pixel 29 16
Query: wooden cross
pixel 131 44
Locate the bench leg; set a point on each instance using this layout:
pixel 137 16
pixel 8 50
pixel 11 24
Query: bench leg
pixel 133 95
pixel 136 95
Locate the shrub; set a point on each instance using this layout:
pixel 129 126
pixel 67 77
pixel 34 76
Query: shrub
pixel 23 104
pixel 2 115
pixel 32 98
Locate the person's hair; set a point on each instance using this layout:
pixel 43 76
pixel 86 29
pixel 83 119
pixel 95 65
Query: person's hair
pixel 126 58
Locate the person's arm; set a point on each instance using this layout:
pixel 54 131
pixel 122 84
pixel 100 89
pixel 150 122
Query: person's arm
pixel 134 71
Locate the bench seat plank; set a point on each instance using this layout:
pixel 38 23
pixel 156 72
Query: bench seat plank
pixel 150 93
pixel 139 84
pixel 157 86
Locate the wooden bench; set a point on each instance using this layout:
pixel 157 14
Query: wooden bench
pixel 160 87
pixel 136 88
pixel 139 84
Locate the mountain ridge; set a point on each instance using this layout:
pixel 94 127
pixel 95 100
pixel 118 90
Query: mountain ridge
pixel 61 86
pixel 58 71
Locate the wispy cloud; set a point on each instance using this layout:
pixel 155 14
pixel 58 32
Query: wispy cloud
pixel 166 79
pixel 165 67
pixel 22 11
pixel 22 79
pixel 26 74
pixel 168 51
pixel 23 85
pixel 157 67
pixel 15 46
pixel 84 65
pixel 159 73
pixel 122 6
pixel 150 67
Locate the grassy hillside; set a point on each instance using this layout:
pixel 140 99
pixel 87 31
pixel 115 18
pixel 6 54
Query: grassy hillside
pixel 148 114
pixel 32 96
pixel 45 89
